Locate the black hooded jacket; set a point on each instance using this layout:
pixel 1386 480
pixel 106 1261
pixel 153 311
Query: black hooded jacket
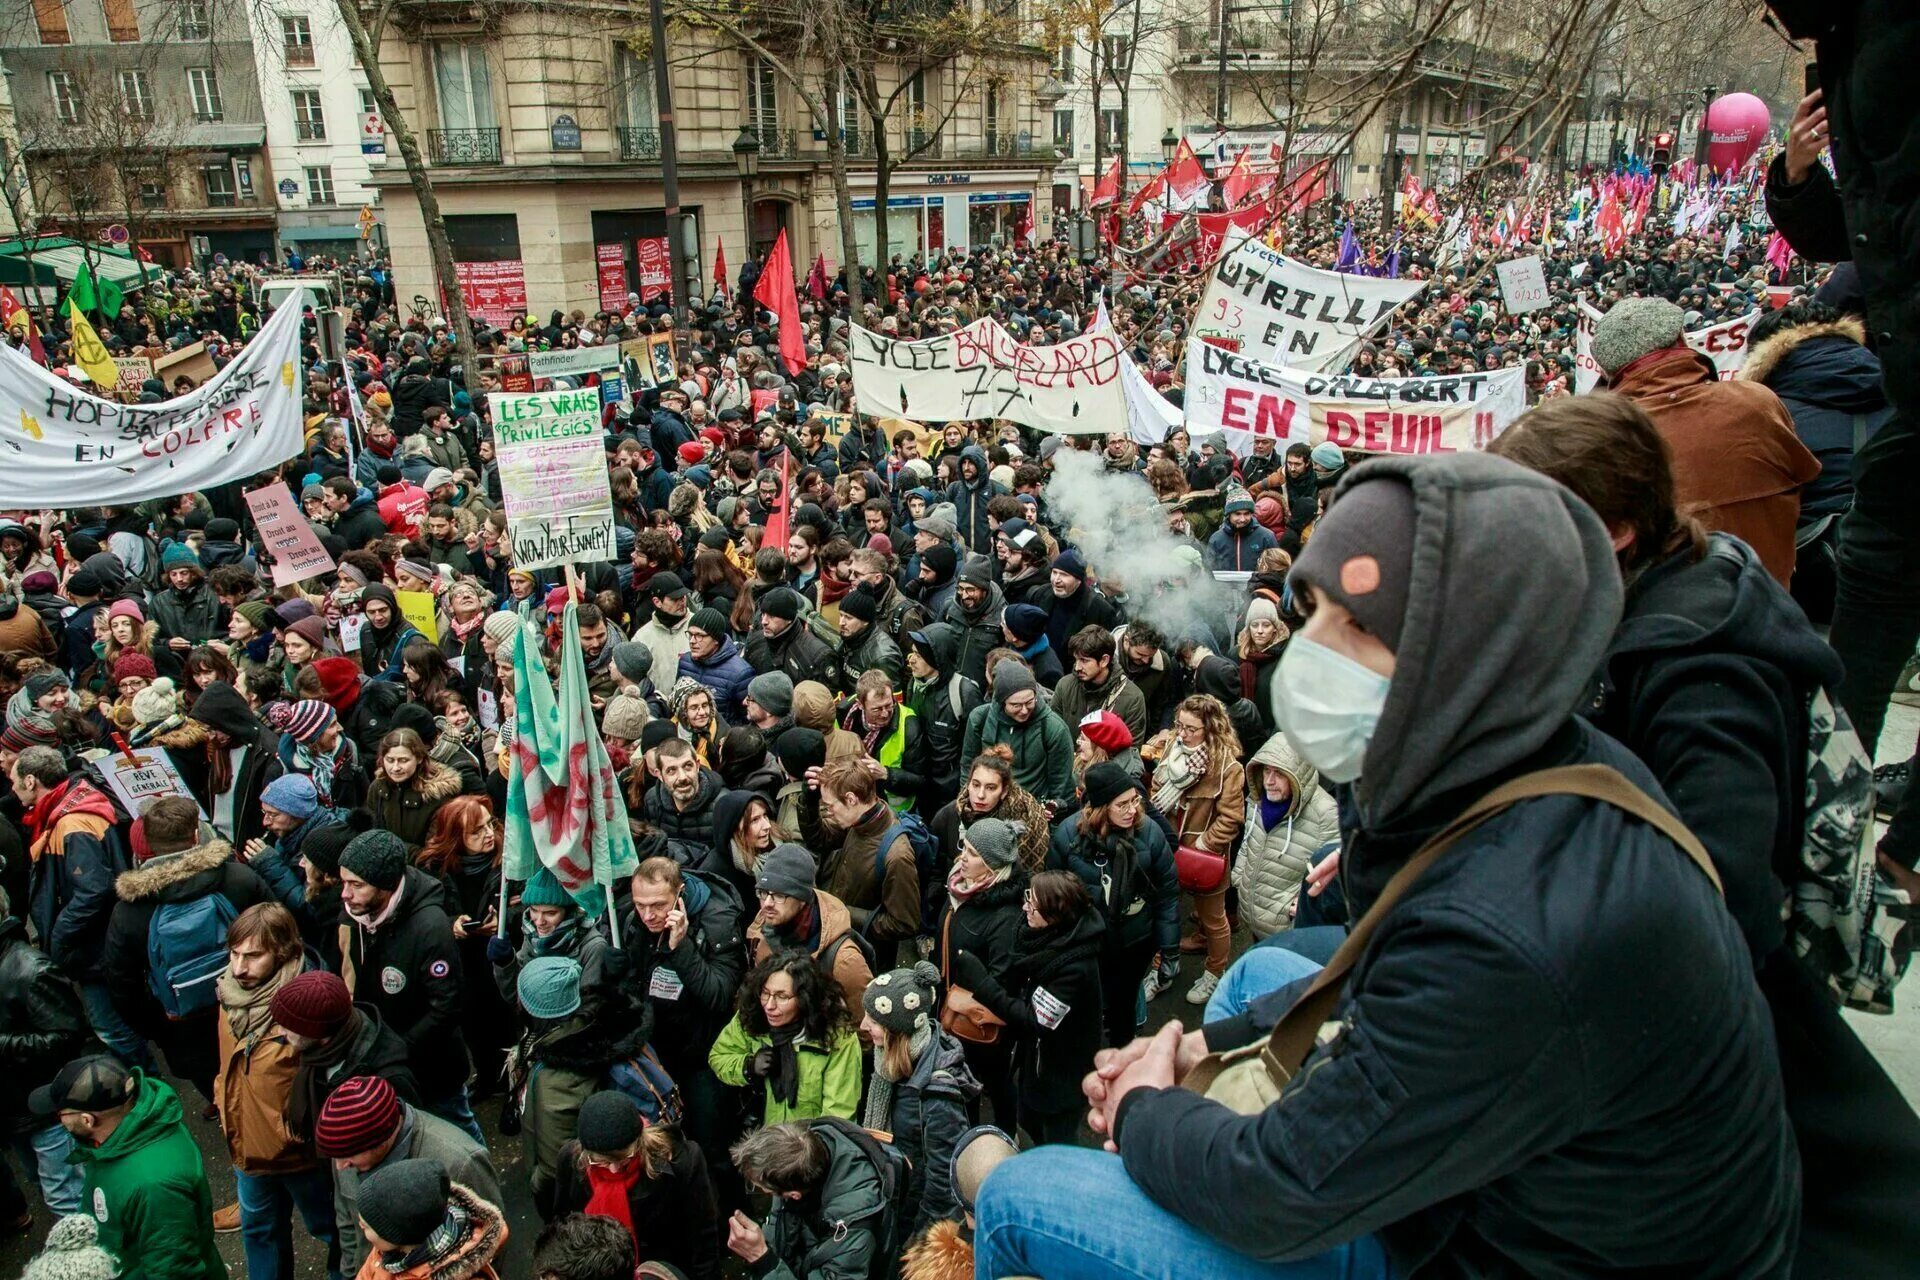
pixel 1063 961
pixel 409 969
pixel 220 707
pixel 691 832
pixel 692 988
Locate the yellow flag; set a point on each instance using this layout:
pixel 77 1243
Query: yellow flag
pixel 90 353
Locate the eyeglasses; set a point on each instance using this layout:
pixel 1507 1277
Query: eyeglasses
pixel 778 997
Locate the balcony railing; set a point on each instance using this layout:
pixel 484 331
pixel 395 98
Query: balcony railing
pixel 1002 144
pixel 463 146
pixel 310 130
pixel 924 144
pixel 775 143
pixel 639 143
pixel 299 55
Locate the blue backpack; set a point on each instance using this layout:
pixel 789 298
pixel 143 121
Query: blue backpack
pixel 646 1081
pixel 187 953
pixel 926 860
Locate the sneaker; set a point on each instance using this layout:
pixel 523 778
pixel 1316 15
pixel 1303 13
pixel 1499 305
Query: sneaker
pixel 1159 981
pixel 1890 782
pixel 1202 990
pixel 227 1219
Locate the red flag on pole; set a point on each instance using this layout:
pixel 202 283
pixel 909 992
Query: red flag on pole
pixel 775 292
pixel 1107 190
pixel 12 313
pixel 817 279
pixel 1155 189
pixel 779 521
pixel 1238 182
pixel 719 268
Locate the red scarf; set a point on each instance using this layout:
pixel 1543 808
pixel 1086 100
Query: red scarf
pixel 832 590
pixel 608 1198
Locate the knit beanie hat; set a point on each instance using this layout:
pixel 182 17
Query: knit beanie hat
pixel 1104 783
pixel 292 794
pixel 781 603
pixel 976 572
pixel 633 660
pixel 134 665
pixel 379 857
pixel 624 717
pixel 125 609
pixel 860 603
pixel 323 846
pixel 941 559
pixel 179 555
pixel 1262 610
pixel 156 702
pixel 773 690
pixel 550 987
pixel 256 613
pixel 1106 731
pixel 786 869
pixel 1238 499
pixel 43 682
pixel 1071 563
pixel 303 721
pixel 358 1116
pixel 1361 554
pixel 942 522
pixel 656 731
pixel 288 612
pixel 1026 623
pixel 711 622
pixel 996 840
pixel 404 1203
pixel 1327 456
pixel 1009 678
pixel 609 1122
pixel 800 749
pixel 902 1000
pixel 543 889
pixel 315 1004
pixel 1633 328
pixel 73 1252
pixel 501 626
pixel 222 529
pixel 311 628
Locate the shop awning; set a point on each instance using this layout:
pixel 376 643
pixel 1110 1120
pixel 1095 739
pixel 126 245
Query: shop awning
pixel 56 260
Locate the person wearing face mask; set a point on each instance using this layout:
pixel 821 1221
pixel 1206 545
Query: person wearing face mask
pixel 1538 977
pixel 647 1178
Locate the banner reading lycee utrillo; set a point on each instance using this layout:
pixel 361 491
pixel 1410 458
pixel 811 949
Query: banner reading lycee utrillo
pixel 62 447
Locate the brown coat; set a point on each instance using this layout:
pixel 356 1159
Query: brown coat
pixel 1737 464
pixel 24 631
pixel 408 811
pixel 1213 808
pixel 849 966
pixel 894 897
pixel 252 1091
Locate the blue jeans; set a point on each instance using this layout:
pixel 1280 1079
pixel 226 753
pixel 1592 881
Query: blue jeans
pixel 44 1153
pixel 456 1110
pixel 267 1202
pixel 1067 1211
pixel 126 1044
pixel 1259 971
pixel 1316 942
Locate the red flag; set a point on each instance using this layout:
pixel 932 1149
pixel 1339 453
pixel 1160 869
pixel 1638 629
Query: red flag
pixel 1155 189
pixel 12 313
pixel 1239 180
pixel 719 268
pixel 1107 190
pixel 817 279
pixel 774 291
pixel 778 519
pixel 1023 226
pixel 1187 182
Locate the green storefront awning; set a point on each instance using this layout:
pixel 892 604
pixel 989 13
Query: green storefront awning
pixel 56 260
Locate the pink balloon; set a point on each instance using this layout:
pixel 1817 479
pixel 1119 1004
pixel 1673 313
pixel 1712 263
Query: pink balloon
pixel 1736 126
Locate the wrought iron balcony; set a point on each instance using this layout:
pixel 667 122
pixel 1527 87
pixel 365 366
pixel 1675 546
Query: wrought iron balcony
pixel 639 143
pixel 463 146
pixel 775 143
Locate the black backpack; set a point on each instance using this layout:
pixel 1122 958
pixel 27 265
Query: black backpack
pixel 896 1185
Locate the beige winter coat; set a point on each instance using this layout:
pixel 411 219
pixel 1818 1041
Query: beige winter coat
pixel 1273 863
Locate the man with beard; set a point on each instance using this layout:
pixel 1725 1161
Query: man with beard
pixel 1076 602
pixel 975 614
pixel 1041 743
pixel 784 643
pixel 681 803
pixel 188 612
pixel 665 633
pixel 794 915
pixel 969 496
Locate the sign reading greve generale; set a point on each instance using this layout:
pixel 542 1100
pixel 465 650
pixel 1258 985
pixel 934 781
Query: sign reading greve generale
pixel 553 475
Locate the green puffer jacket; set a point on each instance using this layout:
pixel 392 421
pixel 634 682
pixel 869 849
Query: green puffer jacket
pixel 147 1190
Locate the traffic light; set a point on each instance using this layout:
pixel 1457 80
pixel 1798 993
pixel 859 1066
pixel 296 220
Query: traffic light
pixel 1662 152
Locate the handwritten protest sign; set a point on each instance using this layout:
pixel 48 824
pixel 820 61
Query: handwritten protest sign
pixel 1263 304
pixel 140 776
pixel 981 371
pixel 1725 344
pixel 61 447
pixel 285 533
pixel 417 608
pixel 134 371
pixel 1523 284
pixel 1247 400
pixel 553 475
pixel 350 625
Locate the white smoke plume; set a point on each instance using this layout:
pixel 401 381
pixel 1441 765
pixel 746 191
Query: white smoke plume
pixel 1121 530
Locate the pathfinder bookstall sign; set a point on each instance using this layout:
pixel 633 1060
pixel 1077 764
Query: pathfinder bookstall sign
pixel 553 475
pixel 64 447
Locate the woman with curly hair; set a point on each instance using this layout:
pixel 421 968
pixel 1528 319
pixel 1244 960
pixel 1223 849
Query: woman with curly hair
pixel 991 792
pixel 1200 785
pixel 793 1039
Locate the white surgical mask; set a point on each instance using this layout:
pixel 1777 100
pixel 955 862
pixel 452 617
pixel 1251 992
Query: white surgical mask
pixel 1329 705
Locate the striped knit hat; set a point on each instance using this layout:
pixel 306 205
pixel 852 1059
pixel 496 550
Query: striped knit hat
pixel 358 1116
pixel 302 721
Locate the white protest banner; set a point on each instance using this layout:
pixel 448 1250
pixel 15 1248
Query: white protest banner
pixel 553 474
pixel 980 371
pixel 61 447
pixel 1523 284
pixel 288 538
pixel 1263 304
pixel 1248 399
pixel 1725 344
pixel 140 775
pixel 1150 416
pixel 569 362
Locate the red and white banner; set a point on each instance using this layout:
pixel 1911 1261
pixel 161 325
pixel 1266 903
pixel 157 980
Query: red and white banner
pixel 495 292
pixel 1725 344
pixel 656 267
pixel 611 262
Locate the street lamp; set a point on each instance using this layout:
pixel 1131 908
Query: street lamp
pixel 746 159
pixel 1168 141
pixel 1700 141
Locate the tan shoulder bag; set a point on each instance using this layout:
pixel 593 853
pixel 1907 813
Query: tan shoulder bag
pixel 1249 1078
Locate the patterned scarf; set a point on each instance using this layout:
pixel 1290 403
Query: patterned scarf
pixel 248 1016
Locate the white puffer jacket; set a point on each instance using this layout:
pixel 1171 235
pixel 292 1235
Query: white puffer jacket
pixel 1272 864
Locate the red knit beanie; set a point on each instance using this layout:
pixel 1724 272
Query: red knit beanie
pixel 314 1005
pixel 360 1115
pixel 1106 731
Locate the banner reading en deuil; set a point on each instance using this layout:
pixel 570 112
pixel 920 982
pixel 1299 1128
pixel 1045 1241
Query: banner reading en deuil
pixel 1725 344
pixel 61 447
pixel 553 475
pixel 1248 399
pixel 1264 305
pixel 982 371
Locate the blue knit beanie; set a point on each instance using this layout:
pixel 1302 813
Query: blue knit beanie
pixel 550 987
pixel 292 794
pixel 543 890
pixel 179 555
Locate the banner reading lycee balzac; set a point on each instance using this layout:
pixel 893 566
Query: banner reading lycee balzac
pixel 982 371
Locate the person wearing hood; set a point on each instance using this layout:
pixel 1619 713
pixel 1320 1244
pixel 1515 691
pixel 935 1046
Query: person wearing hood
pixel 188 613
pixel 1236 545
pixel 713 660
pixel 421 1225
pixel 1463 1008
pixel 975 615
pixel 1049 995
pixel 1290 816
pixel 932 577
pixel 177 869
pixel 222 546
pixel 384 634
pixel 969 496
pixel 922 1091
pixel 226 756
pixel 405 963
pixel 1041 743
pixel 783 642
pixel 815 707
pixel 1077 604
pixel 941 699
pixel 364 706
pixel 1737 465
pixel 1709 680
pixel 23 630
pixel 1024 628
pixel 551 924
